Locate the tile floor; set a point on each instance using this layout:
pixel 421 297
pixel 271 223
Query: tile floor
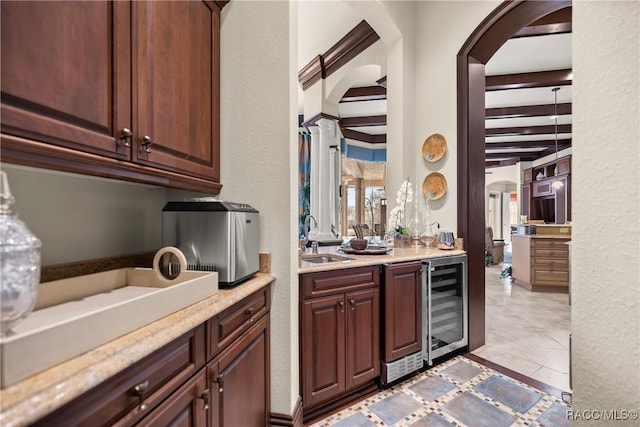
pixel 459 392
pixel 527 332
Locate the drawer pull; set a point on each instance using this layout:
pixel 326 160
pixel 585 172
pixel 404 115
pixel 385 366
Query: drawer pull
pixel 219 379
pixel 341 304
pixel 205 399
pixel 249 312
pixel 140 390
pixel 353 304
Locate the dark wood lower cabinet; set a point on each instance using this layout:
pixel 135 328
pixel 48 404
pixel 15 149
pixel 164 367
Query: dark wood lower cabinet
pixel 187 407
pixel 237 380
pixel 175 386
pixel 340 334
pixel 402 310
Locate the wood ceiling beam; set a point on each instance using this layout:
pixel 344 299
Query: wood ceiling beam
pixel 526 155
pixel 555 23
pixel 566 142
pixel 363 121
pixel 497 163
pixel 528 80
pixel 364 137
pixel 368 93
pixel 527 130
pixel 527 111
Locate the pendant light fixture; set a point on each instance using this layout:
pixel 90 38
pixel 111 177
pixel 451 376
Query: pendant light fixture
pixel 556 182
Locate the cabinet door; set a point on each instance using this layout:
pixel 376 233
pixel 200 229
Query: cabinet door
pixel 176 86
pixel 402 310
pixel 363 336
pixel 323 348
pixel 239 380
pixel 186 407
pixel 66 73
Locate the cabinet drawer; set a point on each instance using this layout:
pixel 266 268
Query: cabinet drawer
pixel 551 277
pixel 557 253
pixel 130 395
pixel 550 244
pixel 547 264
pixel 232 322
pixel 331 282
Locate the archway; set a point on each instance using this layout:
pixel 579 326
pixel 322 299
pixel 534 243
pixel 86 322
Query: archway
pixel 488 37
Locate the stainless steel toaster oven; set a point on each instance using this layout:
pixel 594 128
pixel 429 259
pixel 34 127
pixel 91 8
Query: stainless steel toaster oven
pixel 214 236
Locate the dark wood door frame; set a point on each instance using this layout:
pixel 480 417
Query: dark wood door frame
pixel 506 20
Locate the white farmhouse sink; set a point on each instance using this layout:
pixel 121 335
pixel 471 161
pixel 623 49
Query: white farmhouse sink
pixel 78 314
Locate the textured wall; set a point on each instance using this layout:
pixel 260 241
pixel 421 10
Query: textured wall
pixel 606 205
pixel 259 152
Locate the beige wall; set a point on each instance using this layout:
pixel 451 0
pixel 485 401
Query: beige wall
pixel 606 207
pixel 259 152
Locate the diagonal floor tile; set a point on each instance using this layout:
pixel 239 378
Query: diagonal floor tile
pixel 462 371
pixel 510 394
pixel 396 407
pixel 431 388
pixel 476 412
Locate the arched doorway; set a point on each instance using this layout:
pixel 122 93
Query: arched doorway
pixel 489 36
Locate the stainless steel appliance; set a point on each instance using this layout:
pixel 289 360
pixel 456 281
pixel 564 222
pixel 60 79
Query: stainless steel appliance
pixel 444 306
pixel 214 236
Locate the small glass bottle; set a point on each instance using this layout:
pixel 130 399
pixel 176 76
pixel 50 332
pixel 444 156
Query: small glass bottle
pixel 20 259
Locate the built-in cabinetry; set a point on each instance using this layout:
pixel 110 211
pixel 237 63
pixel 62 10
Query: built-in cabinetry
pixel 215 375
pixel 541 199
pixel 340 335
pixel 402 319
pixel 541 263
pixel 126 90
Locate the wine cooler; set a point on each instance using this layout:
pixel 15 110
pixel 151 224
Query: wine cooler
pixel 444 306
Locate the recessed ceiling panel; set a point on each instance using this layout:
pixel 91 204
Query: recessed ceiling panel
pixel 363 108
pixel 527 121
pixel 530 54
pixel 533 96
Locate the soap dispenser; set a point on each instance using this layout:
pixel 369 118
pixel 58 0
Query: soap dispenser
pixel 20 259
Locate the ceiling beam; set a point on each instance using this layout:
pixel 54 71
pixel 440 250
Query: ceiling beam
pixel 529 80
pixel 525 155
pixel 555 23
pixel 527 130
pixel 566 142
pixel 497 163
pixel 363 121
pixel 364 137
pixel 527 111
pixel 368 93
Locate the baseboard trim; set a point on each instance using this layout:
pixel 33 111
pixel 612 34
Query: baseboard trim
pixel 288 420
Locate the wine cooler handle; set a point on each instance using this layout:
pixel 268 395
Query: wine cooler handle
pixel 429 337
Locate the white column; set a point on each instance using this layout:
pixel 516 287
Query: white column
pixel 314 197
pixel 322 185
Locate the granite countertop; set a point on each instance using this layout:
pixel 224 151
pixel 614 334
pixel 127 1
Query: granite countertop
pixel 41 394
pixel 397 255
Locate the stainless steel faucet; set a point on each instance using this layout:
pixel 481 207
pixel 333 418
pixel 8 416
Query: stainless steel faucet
pixel 307 224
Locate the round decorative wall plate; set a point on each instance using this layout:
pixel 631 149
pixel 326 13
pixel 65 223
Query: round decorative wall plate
pixel 434 148
pixel 434 186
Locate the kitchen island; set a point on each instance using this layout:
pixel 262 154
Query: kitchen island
pixel 39 395
pixel 540 262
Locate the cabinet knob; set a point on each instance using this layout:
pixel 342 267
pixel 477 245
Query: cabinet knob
pixel 125 136
pixel 146 143
pixel 353 304
pixel 341 304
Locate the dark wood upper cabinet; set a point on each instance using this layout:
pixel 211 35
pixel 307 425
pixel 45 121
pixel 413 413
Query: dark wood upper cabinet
pixel 176 85
pixel 66 74
pixel 125 90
